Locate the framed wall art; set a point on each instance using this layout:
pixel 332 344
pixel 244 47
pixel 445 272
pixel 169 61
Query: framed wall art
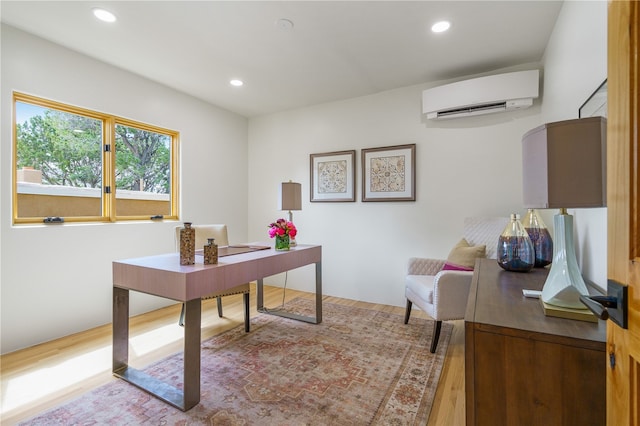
pixel 389 173
pixel 333 176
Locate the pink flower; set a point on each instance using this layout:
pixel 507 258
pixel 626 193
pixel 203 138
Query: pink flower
pixel 281 228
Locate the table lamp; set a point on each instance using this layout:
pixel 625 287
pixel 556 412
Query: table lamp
pixel 564 166
pixel 290 198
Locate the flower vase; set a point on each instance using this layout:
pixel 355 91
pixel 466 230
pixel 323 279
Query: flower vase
pixel 282 242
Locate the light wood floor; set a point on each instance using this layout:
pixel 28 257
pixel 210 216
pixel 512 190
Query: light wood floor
pixel 44 376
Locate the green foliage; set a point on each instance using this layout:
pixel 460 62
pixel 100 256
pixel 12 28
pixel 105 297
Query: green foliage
pixel 142 160
pixel 67 148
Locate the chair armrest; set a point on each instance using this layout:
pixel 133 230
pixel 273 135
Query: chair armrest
pixel 424 266
pixel 450 294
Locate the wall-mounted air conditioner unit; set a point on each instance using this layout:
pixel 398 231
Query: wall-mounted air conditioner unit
pixel 483 95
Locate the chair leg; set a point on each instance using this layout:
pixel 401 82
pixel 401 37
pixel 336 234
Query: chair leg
pixel 407 311
pixel 219 301
pixel 247 321
pixel 436 335
pixel 181 320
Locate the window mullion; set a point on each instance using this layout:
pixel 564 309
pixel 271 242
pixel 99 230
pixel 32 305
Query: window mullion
pixel 108 169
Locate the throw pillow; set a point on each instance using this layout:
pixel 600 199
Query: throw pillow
pixel 463 256
pixel 448 266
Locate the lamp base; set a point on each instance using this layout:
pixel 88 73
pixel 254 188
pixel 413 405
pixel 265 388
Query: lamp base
pixel 292 241
pixel 568 313
pixel 564 284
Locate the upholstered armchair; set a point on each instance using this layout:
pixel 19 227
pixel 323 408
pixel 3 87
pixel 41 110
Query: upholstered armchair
pixel 219 233
pixel 440 287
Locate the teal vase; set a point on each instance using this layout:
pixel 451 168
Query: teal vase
pixel 282 242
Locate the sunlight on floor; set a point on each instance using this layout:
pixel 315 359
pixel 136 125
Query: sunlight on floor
pixel 148 342
pixel 27 388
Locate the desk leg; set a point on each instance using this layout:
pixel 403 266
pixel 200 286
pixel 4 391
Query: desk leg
pixel 120 329
pixel 182 399
pixel 313 320
pixel 192 326
pixel 318 292
pixel 260 295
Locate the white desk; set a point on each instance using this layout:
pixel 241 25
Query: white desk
pixel 163 276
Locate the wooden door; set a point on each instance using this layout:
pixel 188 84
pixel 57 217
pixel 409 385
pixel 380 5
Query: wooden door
pixel 623 200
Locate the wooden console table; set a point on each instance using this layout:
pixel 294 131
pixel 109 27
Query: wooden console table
pixel 164 276
pixel 522 367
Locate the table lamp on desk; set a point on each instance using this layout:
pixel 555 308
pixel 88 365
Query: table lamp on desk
pixel 290 198
pixel 564 166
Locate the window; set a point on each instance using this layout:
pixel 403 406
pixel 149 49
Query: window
pixel 72 164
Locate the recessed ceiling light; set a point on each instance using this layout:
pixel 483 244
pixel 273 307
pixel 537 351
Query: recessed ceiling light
pixel 104 15
pixel 440 27
pixel 236 82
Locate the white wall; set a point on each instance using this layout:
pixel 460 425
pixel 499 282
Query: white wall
pixel 575 65
pixel 56 280
pixel 467 167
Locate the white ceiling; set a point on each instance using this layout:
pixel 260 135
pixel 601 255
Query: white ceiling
pixel 336 49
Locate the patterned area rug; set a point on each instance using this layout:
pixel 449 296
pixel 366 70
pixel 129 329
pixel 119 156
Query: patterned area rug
pixel 359 367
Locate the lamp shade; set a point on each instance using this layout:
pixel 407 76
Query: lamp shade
pixel 290 197
pixel 564 164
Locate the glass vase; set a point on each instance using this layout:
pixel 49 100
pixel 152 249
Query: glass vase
pixel 515 250
pixel 540 238
pixel 282 242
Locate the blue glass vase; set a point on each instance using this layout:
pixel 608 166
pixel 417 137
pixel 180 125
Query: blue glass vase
pixel 540 238
pixel 515 250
